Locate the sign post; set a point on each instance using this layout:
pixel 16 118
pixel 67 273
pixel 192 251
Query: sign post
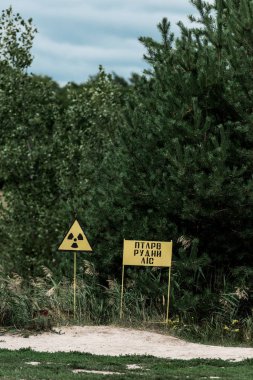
pixel 147 253
pixel 75 240
pixel 74 285
pixel 168 297
pixel 122 290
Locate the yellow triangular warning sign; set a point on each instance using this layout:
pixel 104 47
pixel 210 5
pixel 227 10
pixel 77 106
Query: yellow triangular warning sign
pixel 75 240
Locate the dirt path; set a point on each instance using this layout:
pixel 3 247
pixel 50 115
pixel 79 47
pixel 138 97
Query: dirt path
pixel 107 340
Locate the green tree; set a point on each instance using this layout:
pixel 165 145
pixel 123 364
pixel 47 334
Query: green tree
pixel 166 156
pixel 28 112
pixel 192 137
pixel 87 142
pixel 182 165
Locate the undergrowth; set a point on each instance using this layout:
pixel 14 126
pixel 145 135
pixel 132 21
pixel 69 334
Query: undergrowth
pixel 40 303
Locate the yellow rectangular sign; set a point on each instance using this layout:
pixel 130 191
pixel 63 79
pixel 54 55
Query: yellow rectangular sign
pixel 147 253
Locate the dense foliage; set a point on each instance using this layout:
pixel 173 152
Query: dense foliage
pixel 166 156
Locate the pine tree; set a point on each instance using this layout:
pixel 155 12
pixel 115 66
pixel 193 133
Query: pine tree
pixel 187 139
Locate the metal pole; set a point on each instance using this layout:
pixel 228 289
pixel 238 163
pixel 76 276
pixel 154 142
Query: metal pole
pixel 74 284
pixel 122 289
pixel 168 299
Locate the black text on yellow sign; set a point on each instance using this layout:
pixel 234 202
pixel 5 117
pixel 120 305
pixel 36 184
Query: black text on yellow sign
pixel 147 253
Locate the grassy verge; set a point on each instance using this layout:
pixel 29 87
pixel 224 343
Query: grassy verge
pixel 40 303
pixel 27 364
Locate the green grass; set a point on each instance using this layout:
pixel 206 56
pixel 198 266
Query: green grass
pixel 44 302
pixel 15 365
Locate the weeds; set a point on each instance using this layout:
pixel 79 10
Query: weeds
pixel 42 302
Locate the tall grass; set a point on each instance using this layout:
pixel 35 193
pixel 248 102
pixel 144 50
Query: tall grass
pixel 42 302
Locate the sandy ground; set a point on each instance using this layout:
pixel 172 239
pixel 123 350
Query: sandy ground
pixel 107 340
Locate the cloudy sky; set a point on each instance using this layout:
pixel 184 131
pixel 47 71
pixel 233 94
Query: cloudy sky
pixel 76 36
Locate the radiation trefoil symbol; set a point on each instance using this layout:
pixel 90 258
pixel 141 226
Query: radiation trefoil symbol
pixel 75 239
pixel 71 237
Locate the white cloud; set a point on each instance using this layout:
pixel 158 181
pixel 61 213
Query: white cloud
pixel 75 36
pixel 79 7
pixel 126 50
pixel 76 62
